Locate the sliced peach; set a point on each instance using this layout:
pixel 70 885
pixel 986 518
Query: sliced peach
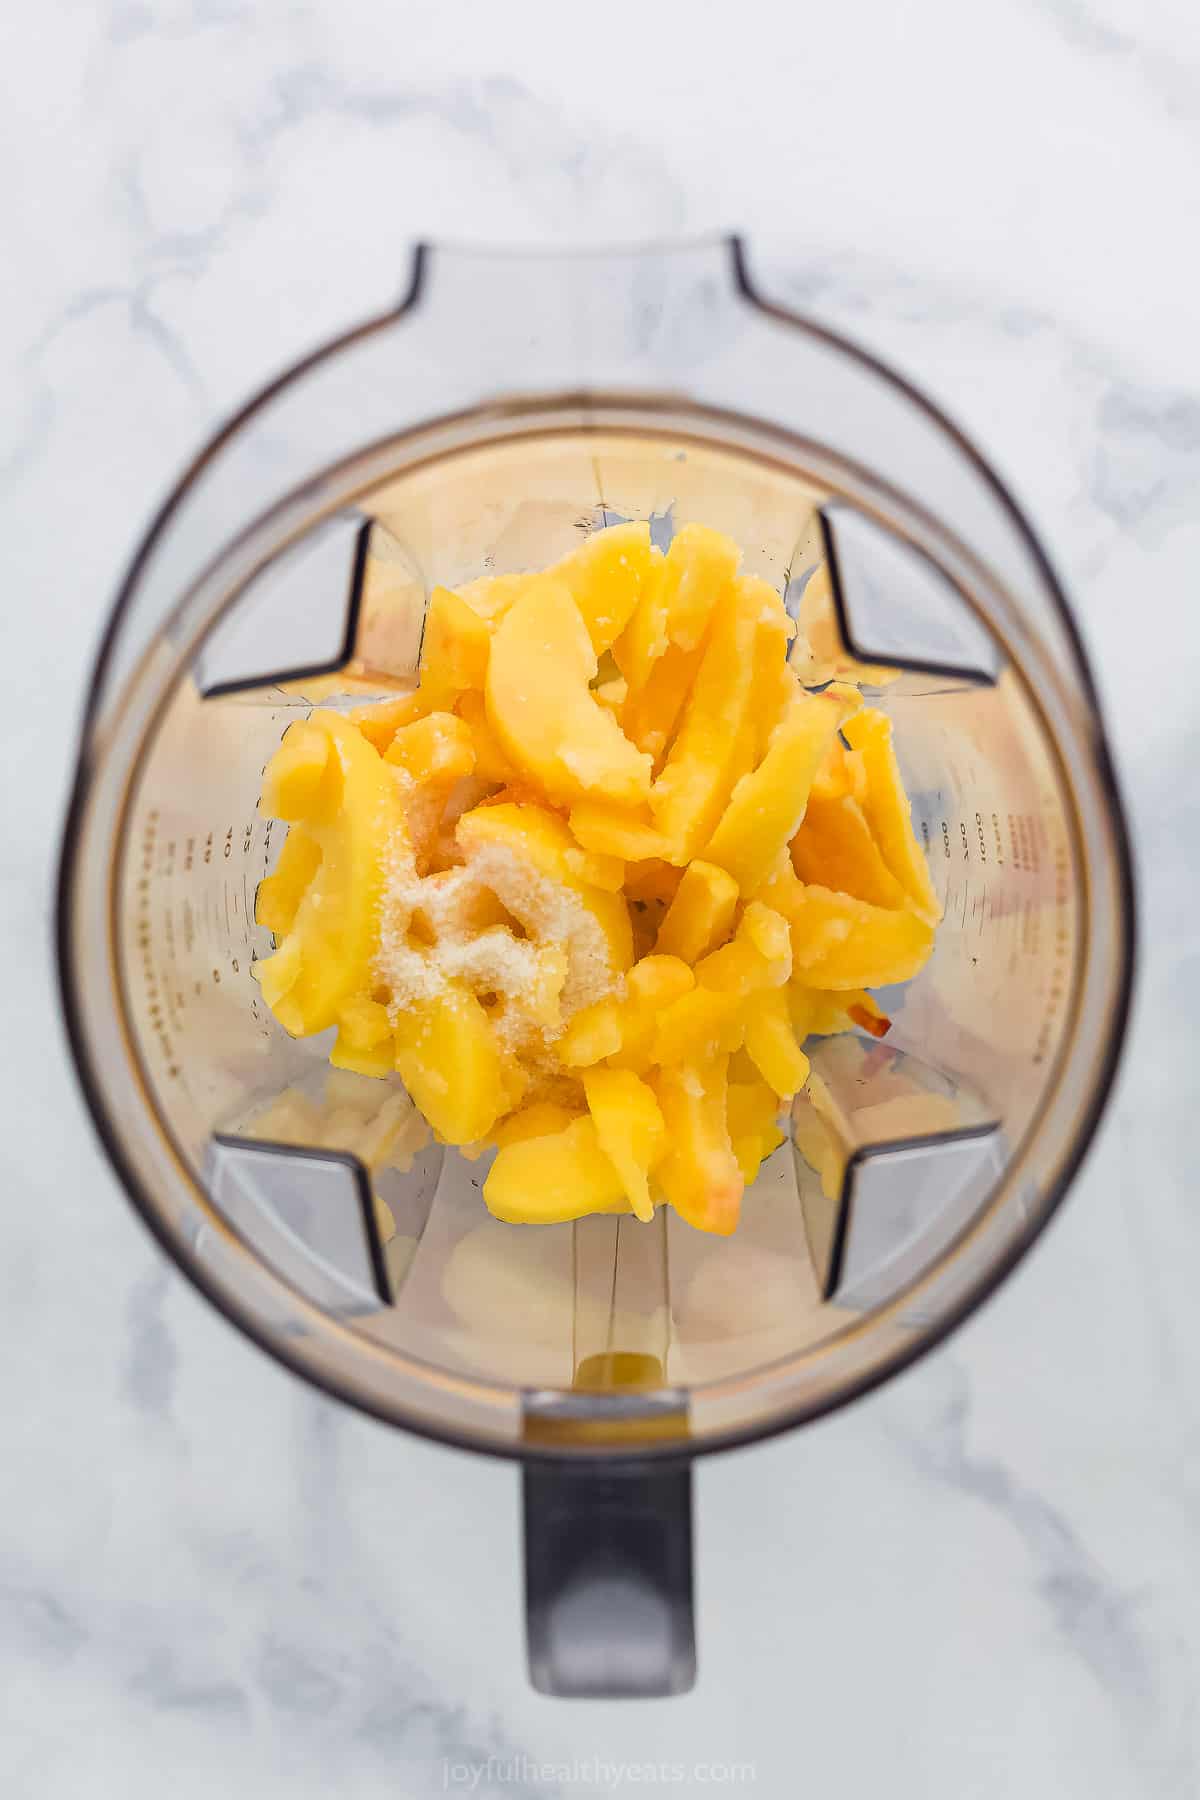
pixel 294 781
pixel 377 1060
pixel 615 831
pixel 889 813
pixel 767 806
pixel 326 956
pixel 448 1059
pixel 381 719
pixel 542 1118
pixel 701 915
pixel 629 1127
pixel 548 722
pixel 771 1044
pixel 701 1025
pixel 841 942
pixel 363 1023
pixel 701 564
pixel 651 986
pixel 491 595
pixel 644 639
pixel 699 1172
pixel 593 1034
pixel 758 957
pixel 491 764
pixel 606 576
pixel 702 764
pixel 835 848
pixel 455 646
pixel 437 748
pixel 552 1177
pixel 280 893
pixel 752 1113
pixel 651 712
pixel 816 1012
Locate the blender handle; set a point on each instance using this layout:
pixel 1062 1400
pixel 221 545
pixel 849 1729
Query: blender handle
pixel 608 1579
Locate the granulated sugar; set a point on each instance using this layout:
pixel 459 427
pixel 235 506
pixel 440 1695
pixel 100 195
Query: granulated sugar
pixel 435 931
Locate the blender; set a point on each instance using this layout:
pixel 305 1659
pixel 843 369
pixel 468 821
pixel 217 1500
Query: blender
pixel 507 407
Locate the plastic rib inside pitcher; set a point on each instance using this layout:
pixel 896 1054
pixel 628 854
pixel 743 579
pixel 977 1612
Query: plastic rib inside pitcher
pixel 882 1204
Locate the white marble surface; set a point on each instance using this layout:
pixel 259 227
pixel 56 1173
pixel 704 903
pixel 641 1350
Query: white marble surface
pixel 984 1581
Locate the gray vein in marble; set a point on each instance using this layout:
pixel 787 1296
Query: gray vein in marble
pixel 143 319
pixel 152 1360
pixel 534 140
pixel 1171 78
pixel 175 252
pixel 27 443
pixel 37 1622
pixel 328 1669
pixel 1091 1614
pixel 1140 458
pixel 164 1686
pixel 294 1681
pixel 1146 462
pixel 129 22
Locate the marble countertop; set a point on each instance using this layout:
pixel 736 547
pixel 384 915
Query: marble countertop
pixel 984 1580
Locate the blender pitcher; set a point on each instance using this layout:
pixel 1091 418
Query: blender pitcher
pixel 510 405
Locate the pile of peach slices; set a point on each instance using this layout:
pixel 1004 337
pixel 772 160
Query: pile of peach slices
pixel 590 886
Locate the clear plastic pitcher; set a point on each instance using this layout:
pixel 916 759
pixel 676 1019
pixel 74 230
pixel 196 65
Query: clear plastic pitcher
pixel 509 406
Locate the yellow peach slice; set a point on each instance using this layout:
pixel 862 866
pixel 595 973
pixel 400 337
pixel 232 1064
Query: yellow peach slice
pixel 771 1044
pixel 448 1059
pixel 542 1118
pixel 841 942
pixel 454 647
pixel 703 762
pixel 841 776
pixel 817 1013
pixel 381 720
pixel 700 566
pixel 889 813
pixel 377 1060
pixel 594 1033
pixel 549 723
pixel 629 1128
pixel 437 749
pixel 280 893
pixel 491 595
pixel 614 831
pixel 775 684
pixel 651 712
pixel 752 1113
pixel 768 805
pixel 699 1172
pixel 701 1025
pixel 759 955
pixel 491 764
pixel 835 848
pixel 651 986
pixel 547 1179
pixel 644 639
pixel 326 955
pixel 363 1023
pixel 294 781
pixel 605 577
pixel 701 915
